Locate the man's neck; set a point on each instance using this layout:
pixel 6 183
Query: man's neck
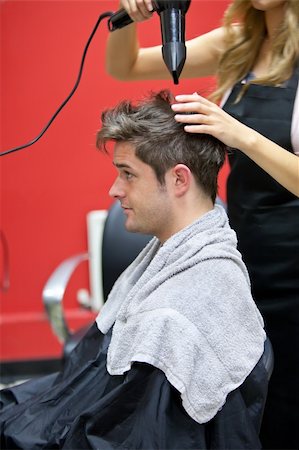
pixel 187 216
pixel 186 212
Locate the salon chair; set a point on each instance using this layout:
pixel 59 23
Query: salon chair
pixel 111 248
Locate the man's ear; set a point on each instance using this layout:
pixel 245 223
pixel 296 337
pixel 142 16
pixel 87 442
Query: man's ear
pixel 181 179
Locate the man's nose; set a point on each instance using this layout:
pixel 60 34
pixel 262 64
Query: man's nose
pixel 116 190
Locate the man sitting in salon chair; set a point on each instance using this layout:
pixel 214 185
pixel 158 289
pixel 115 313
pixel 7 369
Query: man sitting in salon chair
pixel 175 359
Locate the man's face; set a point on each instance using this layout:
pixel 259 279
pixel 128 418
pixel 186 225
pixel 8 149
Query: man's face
pixel 145 202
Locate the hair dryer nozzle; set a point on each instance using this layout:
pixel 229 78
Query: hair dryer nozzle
pixel 174 55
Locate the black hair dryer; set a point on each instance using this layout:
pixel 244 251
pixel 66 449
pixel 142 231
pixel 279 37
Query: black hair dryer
pixel 172 21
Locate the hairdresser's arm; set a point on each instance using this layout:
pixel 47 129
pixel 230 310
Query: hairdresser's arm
pixel 125 60
pixel 209 118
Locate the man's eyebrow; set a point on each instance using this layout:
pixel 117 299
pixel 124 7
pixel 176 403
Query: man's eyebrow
pixel 122 165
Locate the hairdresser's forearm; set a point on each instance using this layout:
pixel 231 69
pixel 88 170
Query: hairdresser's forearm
pixel 127 62
pixel 122 52
pixel 282 165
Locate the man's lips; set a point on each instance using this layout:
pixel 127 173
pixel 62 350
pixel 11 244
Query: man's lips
pixel 126 208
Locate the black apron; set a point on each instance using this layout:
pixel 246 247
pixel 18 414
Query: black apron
pixel 265 217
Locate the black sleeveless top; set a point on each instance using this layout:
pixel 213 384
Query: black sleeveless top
pixel 265 215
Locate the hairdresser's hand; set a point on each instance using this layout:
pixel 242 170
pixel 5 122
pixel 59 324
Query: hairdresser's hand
pixel 209 118
pixel 280 164
pixel 138 10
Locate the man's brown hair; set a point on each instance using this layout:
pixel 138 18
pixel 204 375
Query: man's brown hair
pixel 161 142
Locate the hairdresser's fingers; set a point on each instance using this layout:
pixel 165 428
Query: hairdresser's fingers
pixel 193 119
pixel 183 98
pixel 231 133
pixel 207 117
pixel 149 5
pixel 220 125
pixel 138 10
pixel 192 107
pixel 134 9
pixel 191 110
pixel 193 103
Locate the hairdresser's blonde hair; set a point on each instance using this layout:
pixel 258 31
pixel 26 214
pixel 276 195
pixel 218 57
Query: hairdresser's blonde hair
pixel 245 38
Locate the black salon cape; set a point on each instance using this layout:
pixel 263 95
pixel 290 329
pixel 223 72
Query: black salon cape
pixel 84 407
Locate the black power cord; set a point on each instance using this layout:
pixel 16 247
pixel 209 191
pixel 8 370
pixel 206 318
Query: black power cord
pixel 15 149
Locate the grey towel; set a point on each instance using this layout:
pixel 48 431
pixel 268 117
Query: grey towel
pixel 185 307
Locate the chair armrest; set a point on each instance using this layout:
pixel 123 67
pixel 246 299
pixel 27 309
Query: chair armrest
pixel 54 291
pixel 268 357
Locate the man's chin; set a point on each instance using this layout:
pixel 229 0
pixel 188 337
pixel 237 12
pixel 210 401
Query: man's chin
pixel 131 227
pixel 134 228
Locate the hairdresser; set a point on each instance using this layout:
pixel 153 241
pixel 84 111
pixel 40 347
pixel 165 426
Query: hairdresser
pixel 254 56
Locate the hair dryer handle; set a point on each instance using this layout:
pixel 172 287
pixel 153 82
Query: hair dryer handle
pixel 118 20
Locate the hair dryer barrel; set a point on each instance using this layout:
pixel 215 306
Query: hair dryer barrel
pixel 173 41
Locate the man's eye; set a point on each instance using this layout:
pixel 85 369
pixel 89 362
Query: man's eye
pixel 128 175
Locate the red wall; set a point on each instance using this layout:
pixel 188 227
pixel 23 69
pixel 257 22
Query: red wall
pixel 47 189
